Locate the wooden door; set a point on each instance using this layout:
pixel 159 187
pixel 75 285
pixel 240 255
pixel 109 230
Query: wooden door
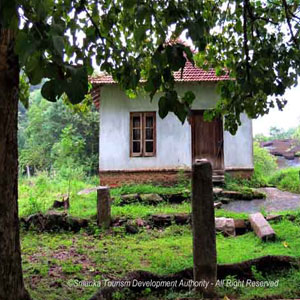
pixel 207 140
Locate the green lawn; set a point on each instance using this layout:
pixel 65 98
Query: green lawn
pixel 50 261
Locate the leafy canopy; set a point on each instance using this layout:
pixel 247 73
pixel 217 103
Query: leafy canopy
pixel 53 137
pixel 256 41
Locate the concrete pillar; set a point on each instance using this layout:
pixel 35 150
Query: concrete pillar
pixel 204 235
pixel 103 207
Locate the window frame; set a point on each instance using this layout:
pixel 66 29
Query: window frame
pixel 142 115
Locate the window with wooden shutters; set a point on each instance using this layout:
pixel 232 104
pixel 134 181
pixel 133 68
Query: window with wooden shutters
pixel 142 134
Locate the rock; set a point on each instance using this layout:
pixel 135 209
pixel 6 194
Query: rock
pixel 118 222
pixel 65 202
pixel 261 227
pixel 55 221
pixel 291 218
pixel 130 198
pixel 225 200
pixel 258 195
pixel 248 194
pixel 217 205
pixel 217 190
pixel 240 226
pixel 225 225
pixel 75 224
pixel 153 199
pixel 289 155
pixel 217 193
pixel 182 219
pixel 57 204
pixel 276 153
pixel 23 223
pixel 132 229
pixel 139 222
pixel 161 220
pixel 36 220
pixel 266 144
pixel 273 218
pixel 232 195
pixel 176 198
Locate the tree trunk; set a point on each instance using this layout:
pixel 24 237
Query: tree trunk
pixel 11 278
pixel 28 171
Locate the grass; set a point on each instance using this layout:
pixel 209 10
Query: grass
pixel 55 259
pixel 286 179
pixel 39 193
pixel 51 262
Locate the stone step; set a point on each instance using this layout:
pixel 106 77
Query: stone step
pixel 218 179
pixel 219 172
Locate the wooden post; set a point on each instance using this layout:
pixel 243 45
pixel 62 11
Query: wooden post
pixel 204 236
pixel 103 207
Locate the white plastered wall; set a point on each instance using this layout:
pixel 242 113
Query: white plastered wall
pixel 173 139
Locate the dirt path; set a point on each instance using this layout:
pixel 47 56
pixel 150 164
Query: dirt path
pixel 276 201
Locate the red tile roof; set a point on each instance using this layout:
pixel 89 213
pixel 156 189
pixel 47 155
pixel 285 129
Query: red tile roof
pixel 190 74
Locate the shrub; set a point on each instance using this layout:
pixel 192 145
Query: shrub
pixel 264 165
pixel 287 179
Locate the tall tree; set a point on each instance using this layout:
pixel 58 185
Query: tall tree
pixel 41 128
pixel 256 42
pixel 11 279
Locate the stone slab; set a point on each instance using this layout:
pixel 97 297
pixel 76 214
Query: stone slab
pixel 90 190
pixel 225 225
pixel 261 227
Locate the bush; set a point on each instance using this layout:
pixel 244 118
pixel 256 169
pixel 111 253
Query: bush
pixel 287 179
pixel 264 165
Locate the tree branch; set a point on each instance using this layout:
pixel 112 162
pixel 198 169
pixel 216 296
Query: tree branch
pixel 255 17
pixel 288 19
pixel 246 48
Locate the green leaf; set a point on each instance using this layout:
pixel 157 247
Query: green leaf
pixel 59 45
pixel 189 54
pixel 76 85
pixel 176 58
pixel 180 111
pixel 142 13
pixel 51 91
pixel 34 68
pixel 24 90
pixel 163 107
pixel 140 34
pixel 189 97
pixel 167 103
pixel 128 4
pixel 24 47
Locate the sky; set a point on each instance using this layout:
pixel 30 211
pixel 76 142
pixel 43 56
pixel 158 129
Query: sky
pixel 288 118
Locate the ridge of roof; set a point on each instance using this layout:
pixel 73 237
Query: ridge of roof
pixel 190 74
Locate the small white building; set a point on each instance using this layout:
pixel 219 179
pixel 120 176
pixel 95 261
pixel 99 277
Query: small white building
pixel 137 145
